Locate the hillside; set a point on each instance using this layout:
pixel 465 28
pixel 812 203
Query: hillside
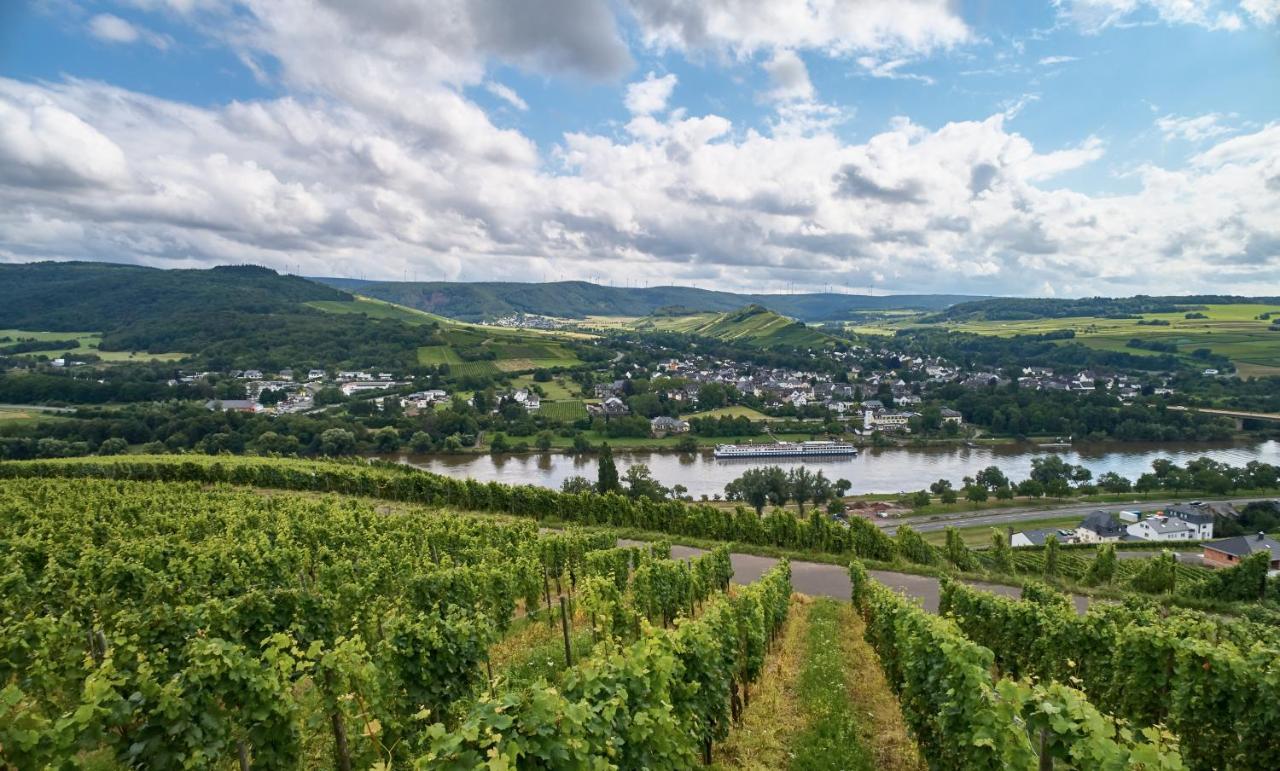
pixel 753 324
pixel 66 296
pixel 1026 309
pixel 223 317
pixel 579 299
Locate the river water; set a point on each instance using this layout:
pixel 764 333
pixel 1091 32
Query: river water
pixel 889 470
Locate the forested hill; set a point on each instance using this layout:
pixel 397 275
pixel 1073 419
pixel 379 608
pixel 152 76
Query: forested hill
pixel 234 316
pixel 577 299
pixel 102 297
pixel 1023 308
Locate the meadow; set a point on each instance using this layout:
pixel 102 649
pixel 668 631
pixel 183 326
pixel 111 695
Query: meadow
pixel 89 342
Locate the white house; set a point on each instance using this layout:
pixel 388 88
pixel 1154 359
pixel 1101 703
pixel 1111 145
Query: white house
pixel 1159 528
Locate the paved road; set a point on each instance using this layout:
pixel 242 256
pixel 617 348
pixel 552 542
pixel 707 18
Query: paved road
pixel 819 579
pixel 1006 516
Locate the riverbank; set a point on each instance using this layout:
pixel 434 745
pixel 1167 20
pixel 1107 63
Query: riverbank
pixel 874 471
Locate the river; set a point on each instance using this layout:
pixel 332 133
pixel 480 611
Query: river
pixel 888 470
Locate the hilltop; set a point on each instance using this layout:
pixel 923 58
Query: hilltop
pixel 579 299
pixel 753 324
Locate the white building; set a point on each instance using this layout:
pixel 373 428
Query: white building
pixel 1161 528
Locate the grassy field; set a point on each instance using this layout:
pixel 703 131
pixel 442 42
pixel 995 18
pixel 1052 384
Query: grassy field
pixel 735 411
pixel 555 390
pixel 89 342
pixel 1233 331
pixel 377 309
pixel 12 415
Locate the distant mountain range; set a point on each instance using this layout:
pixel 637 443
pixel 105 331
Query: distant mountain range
pixel 577 299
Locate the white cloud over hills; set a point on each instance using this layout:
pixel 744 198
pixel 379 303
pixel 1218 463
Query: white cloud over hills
pixel 378 163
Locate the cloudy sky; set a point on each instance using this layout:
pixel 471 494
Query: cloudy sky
pixel 1023 147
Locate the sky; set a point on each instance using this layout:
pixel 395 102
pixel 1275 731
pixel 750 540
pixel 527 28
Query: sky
pixel 1014 147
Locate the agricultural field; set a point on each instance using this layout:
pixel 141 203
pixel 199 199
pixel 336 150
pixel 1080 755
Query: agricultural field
pixel 753 325
pixel 565 411
pixel 89 342
pixel 1234 331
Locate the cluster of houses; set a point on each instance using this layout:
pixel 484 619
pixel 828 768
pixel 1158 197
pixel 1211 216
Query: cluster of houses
pixel 1183 523
pixel 299 392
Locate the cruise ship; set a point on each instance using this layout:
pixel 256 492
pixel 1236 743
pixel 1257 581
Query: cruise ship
pixel 784 450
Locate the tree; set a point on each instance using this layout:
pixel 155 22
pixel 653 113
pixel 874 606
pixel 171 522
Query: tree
pixel 420 442
pixel 976 493
pixel 607 473
pixel 499 443
pixel 543 442
pixel 941 486
pixel 920 499
pixel 337 441
pixel 992 478
pixel 841 487
pixel 948 496
pixel 752 487
pixel 386 439
pixel 113 446
pixel 581 444
pixel 576 484
pixel 641 484
pixel 1114 483
pixel 800 481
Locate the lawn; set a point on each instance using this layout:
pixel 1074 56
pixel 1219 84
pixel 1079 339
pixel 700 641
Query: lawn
pixel 378 309
pixel 1233 331
pixel 734 411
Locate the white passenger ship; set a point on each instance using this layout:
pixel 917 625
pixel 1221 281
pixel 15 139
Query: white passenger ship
pixel 784 450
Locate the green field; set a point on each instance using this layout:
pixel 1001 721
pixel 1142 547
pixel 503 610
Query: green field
pixel 566 411
pixel 735 411
pixel 89 342
pixel 1233 331
pixel 12 415
pixel 555 390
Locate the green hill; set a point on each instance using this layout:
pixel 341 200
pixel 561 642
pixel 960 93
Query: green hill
pixel 223 317
pixel 753 324
pixel 579 299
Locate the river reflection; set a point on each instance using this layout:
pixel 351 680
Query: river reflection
pixel 888 470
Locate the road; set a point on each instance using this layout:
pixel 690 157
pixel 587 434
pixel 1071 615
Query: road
pixel 819 579
pixel 1007 516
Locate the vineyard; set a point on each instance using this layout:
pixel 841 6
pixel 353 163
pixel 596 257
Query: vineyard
pixel 172 613
pixel 166 625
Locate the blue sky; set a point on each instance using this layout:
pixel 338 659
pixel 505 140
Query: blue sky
pixel 795 144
